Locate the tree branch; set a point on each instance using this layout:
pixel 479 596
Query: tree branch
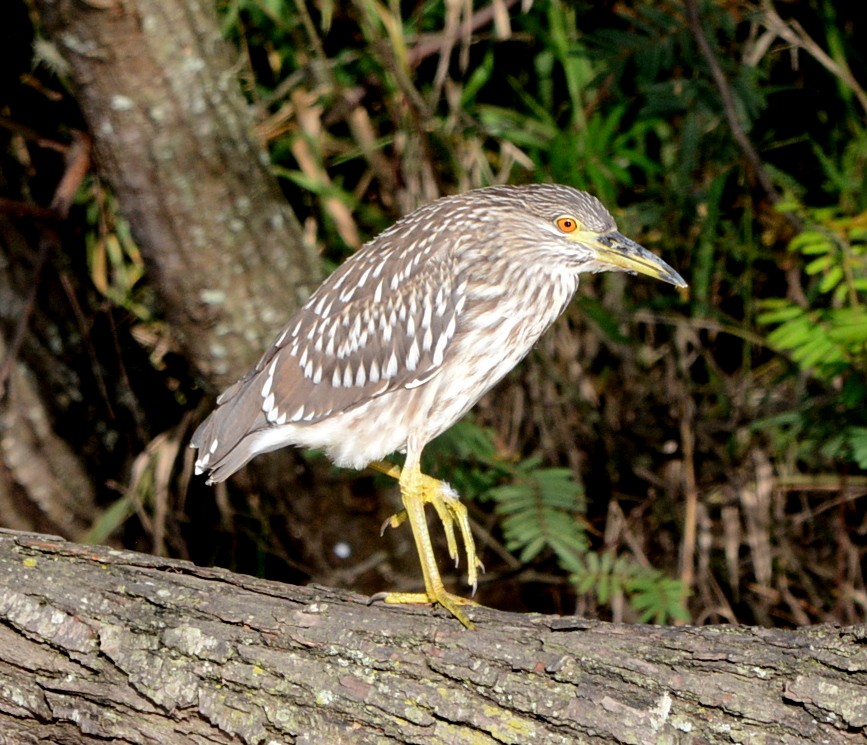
pixel 99 645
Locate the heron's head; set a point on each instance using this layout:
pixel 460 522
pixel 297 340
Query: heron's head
pixel 557 224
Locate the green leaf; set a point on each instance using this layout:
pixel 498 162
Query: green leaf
pixel 819 265
pixel 832 278
pixel 857 439
pixel 811 242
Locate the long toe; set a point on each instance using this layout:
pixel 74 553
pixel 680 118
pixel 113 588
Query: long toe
pixel 446 599
pixel 451 510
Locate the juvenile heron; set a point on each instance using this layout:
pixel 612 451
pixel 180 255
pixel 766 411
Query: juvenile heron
pixel 398 343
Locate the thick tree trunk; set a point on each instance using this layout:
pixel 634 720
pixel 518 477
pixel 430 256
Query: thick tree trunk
pixel 174 137
pixel 107 646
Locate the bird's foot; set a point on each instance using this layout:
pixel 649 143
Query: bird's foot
pixel 444 598
pixel 417 491
pixel 451 511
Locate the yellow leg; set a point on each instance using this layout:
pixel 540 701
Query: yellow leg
pixel 417 490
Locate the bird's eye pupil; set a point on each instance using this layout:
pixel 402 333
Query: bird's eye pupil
pixel 567 224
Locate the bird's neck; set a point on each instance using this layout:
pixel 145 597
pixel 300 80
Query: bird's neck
pixel 532 296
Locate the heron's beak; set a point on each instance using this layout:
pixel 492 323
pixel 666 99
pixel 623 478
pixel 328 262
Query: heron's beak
pixel 615 251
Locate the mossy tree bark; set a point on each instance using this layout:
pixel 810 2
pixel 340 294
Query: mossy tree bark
pixel 99 645
pixel 174 138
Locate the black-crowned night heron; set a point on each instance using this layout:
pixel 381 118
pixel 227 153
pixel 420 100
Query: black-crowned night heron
pixel 399 342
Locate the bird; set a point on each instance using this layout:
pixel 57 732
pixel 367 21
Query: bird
pixel 405 336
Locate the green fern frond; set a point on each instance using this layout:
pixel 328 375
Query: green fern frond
pixel 541 510
pixel 655 597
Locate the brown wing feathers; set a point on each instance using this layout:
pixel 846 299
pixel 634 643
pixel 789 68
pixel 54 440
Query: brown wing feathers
pixel 383 320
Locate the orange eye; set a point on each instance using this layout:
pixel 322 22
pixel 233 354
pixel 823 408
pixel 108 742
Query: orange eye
pixel 567 224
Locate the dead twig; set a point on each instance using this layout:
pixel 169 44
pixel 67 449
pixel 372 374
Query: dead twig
pixel 728 102
pixel 77 166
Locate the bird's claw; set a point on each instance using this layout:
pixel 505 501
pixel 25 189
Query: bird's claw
pixel 395 521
